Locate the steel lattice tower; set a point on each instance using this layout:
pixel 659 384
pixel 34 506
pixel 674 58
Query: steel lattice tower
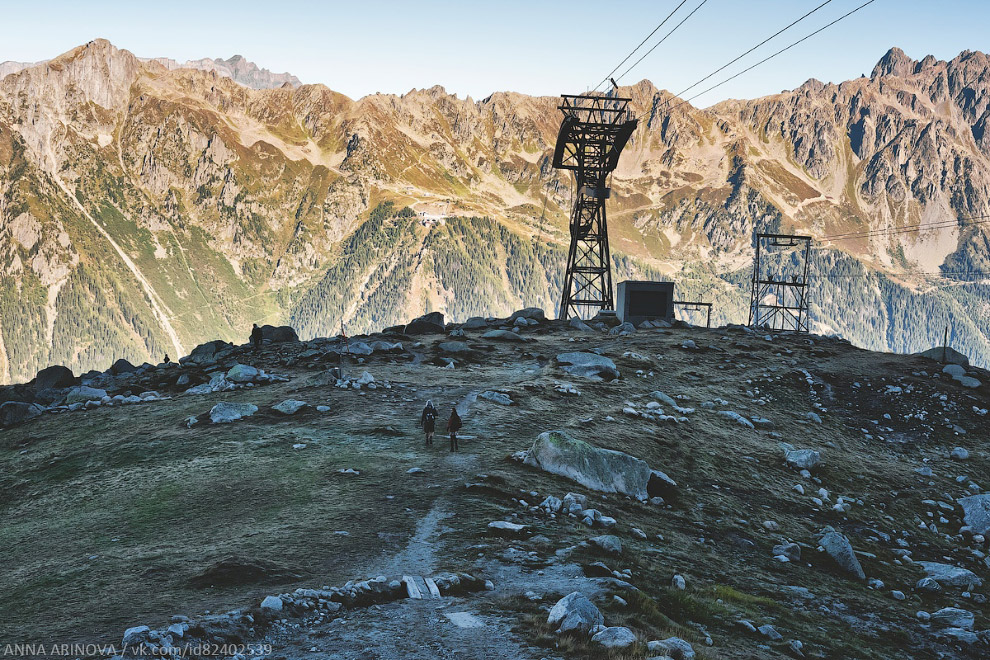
pixel 592 134
pixel 780 282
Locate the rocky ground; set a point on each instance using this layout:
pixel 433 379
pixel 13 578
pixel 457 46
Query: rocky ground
pixel 766 496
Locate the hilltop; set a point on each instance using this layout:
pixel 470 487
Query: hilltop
pixel 256 497
pixel 146 209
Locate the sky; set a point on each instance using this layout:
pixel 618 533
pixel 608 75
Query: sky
pixel 540 47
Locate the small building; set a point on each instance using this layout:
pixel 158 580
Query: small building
pixel 639 301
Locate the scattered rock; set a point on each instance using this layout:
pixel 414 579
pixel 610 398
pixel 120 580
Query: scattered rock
pixel 504 335
pixel 55 377
pixel 608 543
pixel 770 633
pixel 575 613
pixel 243 373
pixel 503 526
pixel 950 576
pixel 290 406
pixel 802 459
pixel 496 397
pixel 678 582
pixel 279 334
pixel 224 413
pixel 616 637
pixel 953 617
pixel 840 550
pixel 976 512
pixel 454 347
pixel 959 453
pixel 18 412
pixel 790 550
pixel 272 604
pixel 82 394
pixel 605 470
pixel 428 324
pixel 588 365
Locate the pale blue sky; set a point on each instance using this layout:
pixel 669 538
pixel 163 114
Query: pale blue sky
pixel 529 46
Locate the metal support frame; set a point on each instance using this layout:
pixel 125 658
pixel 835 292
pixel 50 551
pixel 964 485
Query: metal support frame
pixel 696 307
pixel 780 287
pixel 592 135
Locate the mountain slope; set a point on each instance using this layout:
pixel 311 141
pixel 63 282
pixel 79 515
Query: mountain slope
pixel 232 205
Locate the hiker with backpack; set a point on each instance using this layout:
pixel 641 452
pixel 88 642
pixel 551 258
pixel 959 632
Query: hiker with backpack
pixel 428 420
pixel 453 426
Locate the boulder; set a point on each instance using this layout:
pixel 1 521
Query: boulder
pixel 605 470
pixel 474 323
pixel 278 334
pixel 428 324
pixel 82 394
pixel 675 647
pixel 622 329
pixel 55 377
pixel 615 637
pixel 530 313
pixel 945 355
pixel 959 453
pixel 575 613
pixel 504 526
pixel 243 373
pixel 357 348
pixel 454 347
pixel 976 512
pixel 289 406
pixel 18 412
pixel 588 365
pixel 136 635
pixel 608 543
pixel 224 413
pixel 840 550
pixel 660 485
pixel 954 370
pixel 497 397
pixel 505 335
pixel 802 459
pixel 121 367
pixel 272 604
pixel 948 575
pixel 790 550
pixel 953 617
pixel 577 324
pixel 206 353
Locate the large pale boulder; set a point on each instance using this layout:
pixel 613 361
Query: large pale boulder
pixel 83 393
pixel 946 355
pixel 948 575
pixel 243 373
pixel 575 613
pixel 605 470
pixel 976 512
pixel 840 550
pixel 588 365
pixel 224 413
pixel 615 637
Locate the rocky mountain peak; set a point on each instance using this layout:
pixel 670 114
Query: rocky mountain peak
pixel 894 63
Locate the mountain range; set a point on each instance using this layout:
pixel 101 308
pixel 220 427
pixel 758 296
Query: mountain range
pixel 146 208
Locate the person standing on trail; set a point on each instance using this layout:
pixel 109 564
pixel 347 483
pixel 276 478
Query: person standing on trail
pixel 453 426
pixel 167 360
pixel 256 337
pixel 428 420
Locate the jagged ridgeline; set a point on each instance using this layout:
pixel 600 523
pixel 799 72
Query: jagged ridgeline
pixel 146 207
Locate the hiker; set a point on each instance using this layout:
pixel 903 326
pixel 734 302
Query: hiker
pixel 256 337
pixel 453 426
pixel 428 420
pixel 167 361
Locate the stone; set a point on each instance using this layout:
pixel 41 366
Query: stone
pixel 289 406
pixel 959 453
pixel 136 635
pixel 946 355
pixel 616 637
pixel 660 485
pixel 736 417
pixel 622 329
pixel 928 584
pixel 802 459
pixel 530 313
pixel 675 647
pixel 242 373
pixel 976 512
pixel 358 348
pixel 790 550
pixel 969 382
pixel 551 504
pixel 18 412
pixel 504 335
pixel 770 633
pixel 678 582
pixel 953 617
pixel 365 380
pixel 954 370
pixel 55 377
pixel 496 397
pixel 604 470
pixel 575 613
pixel 121 367
pixel 897 595
pixel 588 365
pixel 207 353
pixel 279 334
pixel 950 576
pixel 83 393
pixel 840 550
pixel 200 389
pixel 272 604
pixel 224 413
pixel 577 324
pixel 454 347
pixel 475 323
pixel 428 324
pixel 608 543
pixel 503 526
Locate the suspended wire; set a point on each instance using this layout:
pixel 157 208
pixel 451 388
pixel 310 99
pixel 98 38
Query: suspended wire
pixel 633 51
pixel 775 35
pixel 779 52
pixel 654 47
pixel 939 224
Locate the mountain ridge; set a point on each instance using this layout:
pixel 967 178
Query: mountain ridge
pixel 223 195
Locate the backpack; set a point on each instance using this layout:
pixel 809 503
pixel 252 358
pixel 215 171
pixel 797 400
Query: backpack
pixel 430 415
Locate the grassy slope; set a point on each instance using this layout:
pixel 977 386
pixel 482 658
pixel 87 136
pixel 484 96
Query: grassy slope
pixel 110 513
